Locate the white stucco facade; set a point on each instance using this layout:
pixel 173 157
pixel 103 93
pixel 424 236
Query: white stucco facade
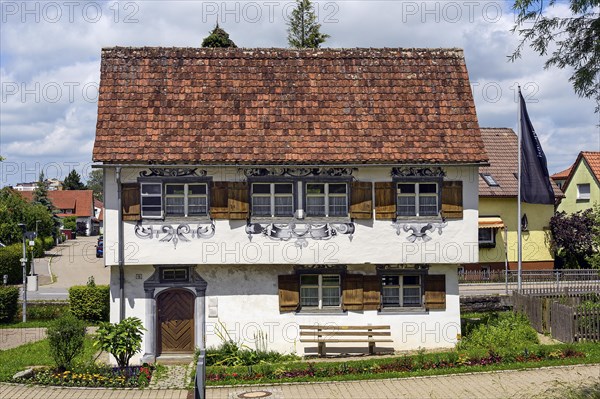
pixel 241 270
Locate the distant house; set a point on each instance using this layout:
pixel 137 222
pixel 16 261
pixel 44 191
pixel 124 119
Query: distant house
pixel 52 184
pixel 581 184
pixel 79 203
pixel 498 186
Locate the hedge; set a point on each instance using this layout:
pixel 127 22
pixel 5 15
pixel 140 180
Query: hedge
pixel 91 303
pixel 10 263
pixel 8 303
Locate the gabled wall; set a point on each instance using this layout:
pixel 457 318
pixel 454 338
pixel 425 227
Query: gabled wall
pixel 582 175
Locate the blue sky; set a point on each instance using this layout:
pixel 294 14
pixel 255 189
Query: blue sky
pixel 50 59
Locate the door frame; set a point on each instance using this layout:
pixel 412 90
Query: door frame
pixel 153 287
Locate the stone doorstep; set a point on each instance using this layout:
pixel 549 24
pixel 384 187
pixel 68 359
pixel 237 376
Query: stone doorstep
pixel 173 359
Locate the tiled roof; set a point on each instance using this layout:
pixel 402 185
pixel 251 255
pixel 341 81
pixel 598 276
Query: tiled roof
pixel 281 106
pixel 592 159
pixel 501 145
pixel 78 200
pixel 563 174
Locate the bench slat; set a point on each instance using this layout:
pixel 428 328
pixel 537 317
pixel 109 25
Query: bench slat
pixel 345 340
pixel 344 327
pixel 345 333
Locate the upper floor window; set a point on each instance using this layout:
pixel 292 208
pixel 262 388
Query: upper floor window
pixel 186 199
pixel 417 199
pixel 401 291
pixel 151 200
pixel 487 236
pixel 326 199
pixel 273 199
pixel 320 290
pixel 583 191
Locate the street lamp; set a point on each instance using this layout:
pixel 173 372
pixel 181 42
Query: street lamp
pixel 32 272
pixel 24 266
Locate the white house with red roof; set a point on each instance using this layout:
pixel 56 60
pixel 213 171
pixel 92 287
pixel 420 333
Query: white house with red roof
pixel 260 190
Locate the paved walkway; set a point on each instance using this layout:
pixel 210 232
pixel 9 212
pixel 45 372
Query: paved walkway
pixel 540 383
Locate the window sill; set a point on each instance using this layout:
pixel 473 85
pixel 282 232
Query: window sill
pixel 178 219
pixel 332 312
pixel 307 220
pixel 401 310
pixel 419 219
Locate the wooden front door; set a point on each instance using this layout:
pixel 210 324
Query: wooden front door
pixel 175 322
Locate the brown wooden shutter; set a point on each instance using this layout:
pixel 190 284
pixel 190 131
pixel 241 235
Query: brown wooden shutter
pixel 371 292
pixel 435 291
pixel 219 204
pixel 289 292
pixel 130 200
pixel 385 201
pixel 352 293
pixel 452 200
pixel 361 196
pixel 239 206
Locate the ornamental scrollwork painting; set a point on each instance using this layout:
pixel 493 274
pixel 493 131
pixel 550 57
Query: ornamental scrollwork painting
pixel 410 171
pixel 297 172
pixel 419 230
pixel 300 232
pixel 174 233
pixel 173 172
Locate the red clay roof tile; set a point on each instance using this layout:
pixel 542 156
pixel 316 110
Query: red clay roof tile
pixel 280 106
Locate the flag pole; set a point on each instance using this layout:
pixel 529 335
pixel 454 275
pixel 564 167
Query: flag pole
pixel 519 227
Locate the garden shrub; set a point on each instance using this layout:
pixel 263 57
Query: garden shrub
pixel 66 336
pixel 10 263
pixel 46 310
pixel 9 297
pixel 508 332
pixel 49 243
pixel 90 302
pixel 122 340
pixel 70 223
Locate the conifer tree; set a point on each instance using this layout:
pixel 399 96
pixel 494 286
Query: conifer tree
pixel 303 29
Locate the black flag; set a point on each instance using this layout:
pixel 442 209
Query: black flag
pixel 535 180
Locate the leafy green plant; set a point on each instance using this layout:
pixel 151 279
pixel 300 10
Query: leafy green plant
pixel 66 336
pixel 46 311
pixel 90 302
pixel 122 340
pixel 70 223
pixel 9 297
pixel 507 332
pixel 10 263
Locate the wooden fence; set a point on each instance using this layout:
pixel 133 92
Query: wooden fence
pixel 567 317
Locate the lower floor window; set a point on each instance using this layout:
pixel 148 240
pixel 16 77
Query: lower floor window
pixel 320 290
pixel 401 291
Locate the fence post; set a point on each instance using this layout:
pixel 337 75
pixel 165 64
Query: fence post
pixel 199 386
pixel 557 281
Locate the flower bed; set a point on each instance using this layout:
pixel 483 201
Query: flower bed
pixel 129 377
pixel 401 366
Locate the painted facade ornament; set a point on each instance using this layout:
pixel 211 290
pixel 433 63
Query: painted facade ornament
pixel 170 233
pixel 173 172
pixel 411 171
pixel 297 172
pixel 419 230
pixel 299 231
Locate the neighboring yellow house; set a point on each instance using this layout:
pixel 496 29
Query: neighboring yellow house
pixel 498 210
pixel 581 184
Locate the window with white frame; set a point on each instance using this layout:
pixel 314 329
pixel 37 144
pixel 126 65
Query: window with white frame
pixel 151 200
pixel 487 236
pixel 320 290
pixel 401 291
pixel 273 199
pixel 327 199
pixel 583 191
pixel 417 199
pixel 186 199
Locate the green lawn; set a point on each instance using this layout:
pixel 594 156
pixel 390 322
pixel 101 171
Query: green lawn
pixel 35 354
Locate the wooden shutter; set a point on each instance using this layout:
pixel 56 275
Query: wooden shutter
pixel 239 206
pixel 361 198
pixel 452 200
pixel 130 200
pixel 289 292
pixel 435 291
pixel 352 293
pixel 371 292
pixel 219 205
pixel 385 200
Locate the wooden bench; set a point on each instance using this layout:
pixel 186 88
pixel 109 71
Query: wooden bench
pixel 344 334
